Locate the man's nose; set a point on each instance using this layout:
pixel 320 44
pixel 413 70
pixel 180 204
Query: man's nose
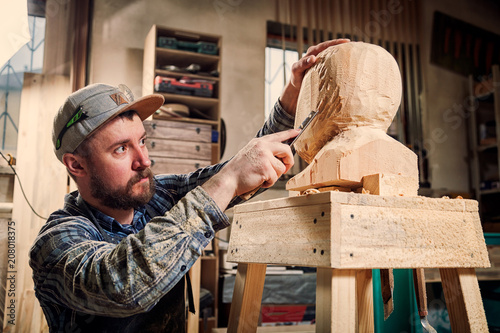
pixel 141 160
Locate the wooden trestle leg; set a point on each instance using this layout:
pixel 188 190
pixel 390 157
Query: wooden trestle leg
pixel 463 300
pixel 344 300
pixel 247 298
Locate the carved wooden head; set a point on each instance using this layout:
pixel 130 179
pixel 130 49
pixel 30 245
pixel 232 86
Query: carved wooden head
pixel 352 85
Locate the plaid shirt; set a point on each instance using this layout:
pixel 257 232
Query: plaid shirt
pixel 91 272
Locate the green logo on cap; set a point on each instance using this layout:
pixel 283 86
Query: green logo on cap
pixel 77 116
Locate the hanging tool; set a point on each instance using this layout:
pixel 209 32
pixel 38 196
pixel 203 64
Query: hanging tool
pixel 291 143
pixel 419 283
pixel 387 287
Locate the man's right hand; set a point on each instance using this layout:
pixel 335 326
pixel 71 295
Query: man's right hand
pixel 261 162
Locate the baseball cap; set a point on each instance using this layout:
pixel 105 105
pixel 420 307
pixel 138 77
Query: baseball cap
pixel 89 108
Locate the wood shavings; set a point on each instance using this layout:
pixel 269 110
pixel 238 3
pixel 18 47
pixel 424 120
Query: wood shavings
pixel 310 191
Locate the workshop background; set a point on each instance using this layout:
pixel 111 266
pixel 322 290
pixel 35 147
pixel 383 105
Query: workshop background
pixel 448 52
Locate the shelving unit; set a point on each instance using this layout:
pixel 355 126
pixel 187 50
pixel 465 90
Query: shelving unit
pixel 484 126
pixel 180 144
pixel 156 58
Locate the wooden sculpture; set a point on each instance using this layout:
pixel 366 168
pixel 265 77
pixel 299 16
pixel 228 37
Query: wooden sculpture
pixel 356 87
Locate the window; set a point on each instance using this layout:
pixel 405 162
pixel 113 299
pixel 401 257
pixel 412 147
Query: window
pixel 278 67
pixel 28 59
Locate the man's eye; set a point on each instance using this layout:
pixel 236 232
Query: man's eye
pixel 120 149
pixel 142 142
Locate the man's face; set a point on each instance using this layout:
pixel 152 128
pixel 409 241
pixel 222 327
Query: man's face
pixel 118 165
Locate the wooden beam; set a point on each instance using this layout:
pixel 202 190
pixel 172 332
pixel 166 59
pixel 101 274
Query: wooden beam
pixel 81 21
pixel 247 298
pixel 39 170
pixel 463 300
pixel 364 298
pixel 336 300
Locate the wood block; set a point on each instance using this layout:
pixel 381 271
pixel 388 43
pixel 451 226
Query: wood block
pixel 351 230
pixel 345 164
pixel 390 184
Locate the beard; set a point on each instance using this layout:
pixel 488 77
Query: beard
pixel 122 198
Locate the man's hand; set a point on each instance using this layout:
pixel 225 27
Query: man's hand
pixel 261 162
pixel 290 94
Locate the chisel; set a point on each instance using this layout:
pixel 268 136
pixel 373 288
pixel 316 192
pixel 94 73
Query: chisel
pixel 291 143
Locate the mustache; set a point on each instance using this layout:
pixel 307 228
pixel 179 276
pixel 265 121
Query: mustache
pixel 146 173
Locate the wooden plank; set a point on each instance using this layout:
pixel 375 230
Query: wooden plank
pixel 195 277
pixel 407 238
pixel 149 62
pixel 336 300
pixel 359 233
pixel 364 298
pixel 57 58
pixel 81 27
pixel 347 198
pixel 307 232
pixel 463 300
pixel 39 170
pixel 247 298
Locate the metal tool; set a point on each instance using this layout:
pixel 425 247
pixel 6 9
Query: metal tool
pixel 291 143
pixel 420 292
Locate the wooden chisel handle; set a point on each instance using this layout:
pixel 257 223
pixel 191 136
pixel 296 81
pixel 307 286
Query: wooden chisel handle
pixel 420 293
pixel 249 194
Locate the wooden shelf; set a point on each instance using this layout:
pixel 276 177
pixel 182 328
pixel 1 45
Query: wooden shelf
pixel 178 75
pixel 482 148
pixel 185 58
pixel 195 101
pixel 155 59
pixel 484 126
pixel 490 191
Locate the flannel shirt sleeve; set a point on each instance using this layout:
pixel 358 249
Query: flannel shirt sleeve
pixel 73 266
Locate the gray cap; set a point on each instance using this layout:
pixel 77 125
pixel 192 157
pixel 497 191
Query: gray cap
pixel 89 108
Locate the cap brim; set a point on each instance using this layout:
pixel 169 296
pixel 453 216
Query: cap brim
pixel 144 106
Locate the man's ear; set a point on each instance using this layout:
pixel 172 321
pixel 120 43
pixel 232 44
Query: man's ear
pixel 74 164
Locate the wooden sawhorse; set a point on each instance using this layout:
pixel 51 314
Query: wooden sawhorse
pixel 345 235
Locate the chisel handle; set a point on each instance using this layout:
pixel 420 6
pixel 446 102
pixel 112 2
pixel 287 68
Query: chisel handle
pixel 420 293
pixel 249 194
